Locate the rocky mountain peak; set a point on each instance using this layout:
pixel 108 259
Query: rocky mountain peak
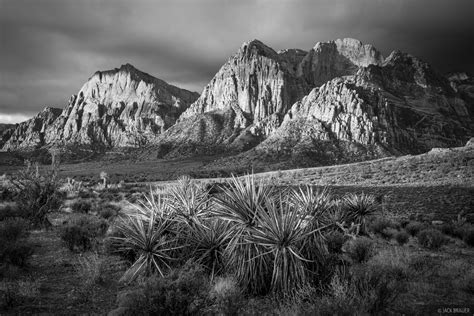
pixel 342 57
pixel 31 133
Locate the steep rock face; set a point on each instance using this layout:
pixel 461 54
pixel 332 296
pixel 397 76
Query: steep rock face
pixel 31 133
pixel 401 106
pixel 328 60
pixel 463 84
pixel 259 86
pixel 255 83
pixel 120 107
pixel 5 133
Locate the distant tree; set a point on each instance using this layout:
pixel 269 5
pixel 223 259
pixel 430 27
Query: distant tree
pixel 104 176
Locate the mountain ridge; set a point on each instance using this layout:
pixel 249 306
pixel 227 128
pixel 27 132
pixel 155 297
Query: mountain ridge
pixel 341 100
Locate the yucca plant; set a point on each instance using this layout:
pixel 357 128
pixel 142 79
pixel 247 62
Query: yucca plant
pixel 188 199
pixel 358 207
pixel 309 200
pixel 240 204
pixel 241 201
pixel 147 232
pixel 335 215
pixel 283 232
pixel 208 240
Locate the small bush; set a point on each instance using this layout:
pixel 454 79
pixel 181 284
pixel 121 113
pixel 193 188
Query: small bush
pixel 81 234
pixel 414 227
pixel 469 237
pixel 38 195
pixel 467 282
pixel 81 206
pixel 360 249
pixel 335 240
pixel 16 253
pixel 10 211
pixel 380 224
pixel 90 269
pixel 109 211
pixel 227 296
pixel 431 238
pixel 182 292
pixel 389 233
pixel 12 229
pixel 402 237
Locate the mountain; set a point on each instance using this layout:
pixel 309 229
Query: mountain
pixel 30 133
pixel 341 101
pixel 247 99
pixel 120 107
pixel 115 108
pixel 400 106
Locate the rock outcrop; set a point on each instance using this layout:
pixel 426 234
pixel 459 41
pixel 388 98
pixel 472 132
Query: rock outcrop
pixel 400 106
pixel 31 133
pixel 252 92
pixel 340 101
pixel 120 107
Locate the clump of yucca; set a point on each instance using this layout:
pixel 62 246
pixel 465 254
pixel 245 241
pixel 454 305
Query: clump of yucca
pixel 188 199
pixel 272 238
pixel 148 233
pixel 358 208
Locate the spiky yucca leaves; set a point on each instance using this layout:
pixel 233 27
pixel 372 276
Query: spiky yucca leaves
pixel 312 201
pixel 358 207
pixel 188 199
pixel 240 204
pixel 147 232
pixel 242 200
pixel 336 215
pixel 283 232
pixel 208 240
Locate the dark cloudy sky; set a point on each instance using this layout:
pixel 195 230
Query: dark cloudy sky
pixel 48 48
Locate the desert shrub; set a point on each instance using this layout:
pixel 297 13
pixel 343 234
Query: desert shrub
pixel 181 292
pixel 7 194
pixel 389 233
pixel 414 227
pixel 38 195
pixel 469 236
pixel 81 233
pixel 85 194
pixel 14 248
pixel 109 211
pixel 402 237
pixel 359 249
pixel 381 224
pixel 227 296
pixel 421 264
pixel 90 269
pixel 13 228
pixel 393 263
pixel 115 248
pixel 334 241
pixel 15 252
pixel 81 206
pixel 431 238
pixel 466 284
pixel 360 291
pixel 376 290
pixel 10 211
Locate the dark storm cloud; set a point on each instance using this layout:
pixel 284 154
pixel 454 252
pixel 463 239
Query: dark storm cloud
pixel 48 48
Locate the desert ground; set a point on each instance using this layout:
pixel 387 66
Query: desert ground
pixel 418 237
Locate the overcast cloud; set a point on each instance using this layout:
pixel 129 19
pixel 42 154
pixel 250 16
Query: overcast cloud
pixel 48 48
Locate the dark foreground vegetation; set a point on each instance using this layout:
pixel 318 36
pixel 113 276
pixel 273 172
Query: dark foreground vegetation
pixel 246 247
